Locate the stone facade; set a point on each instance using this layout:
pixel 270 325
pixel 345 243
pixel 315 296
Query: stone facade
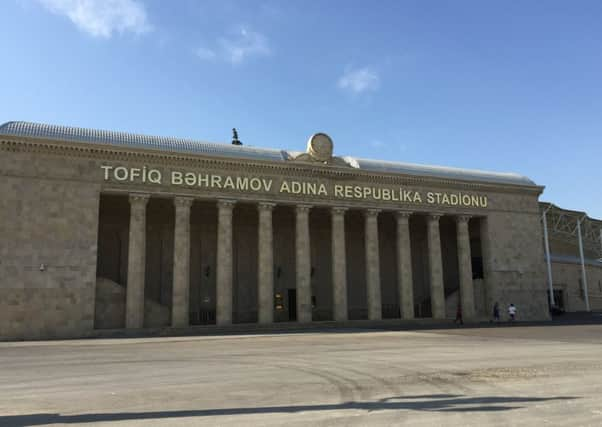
pixel 217 255
pixel 568 278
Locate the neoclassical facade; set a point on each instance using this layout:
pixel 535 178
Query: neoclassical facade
pixel 109 230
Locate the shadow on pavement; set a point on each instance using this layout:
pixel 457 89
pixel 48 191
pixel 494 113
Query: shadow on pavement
pixel 435 403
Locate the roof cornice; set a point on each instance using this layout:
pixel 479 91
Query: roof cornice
pixel 113 153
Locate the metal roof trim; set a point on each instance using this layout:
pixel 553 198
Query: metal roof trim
pixel 190 146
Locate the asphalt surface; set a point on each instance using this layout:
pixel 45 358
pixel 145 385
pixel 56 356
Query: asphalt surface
pixel 536 375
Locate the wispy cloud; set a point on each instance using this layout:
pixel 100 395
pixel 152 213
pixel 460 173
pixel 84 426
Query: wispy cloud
pixel 205 53
pixel 236 49
pixel 102 18
pixel 359 80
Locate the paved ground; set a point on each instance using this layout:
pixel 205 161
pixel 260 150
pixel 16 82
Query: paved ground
pixel 481 376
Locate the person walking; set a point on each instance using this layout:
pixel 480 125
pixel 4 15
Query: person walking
pixel 496 313
pixel 459 315
pixel 512 312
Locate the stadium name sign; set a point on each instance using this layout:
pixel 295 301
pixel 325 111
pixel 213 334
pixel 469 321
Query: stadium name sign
pixel 286 186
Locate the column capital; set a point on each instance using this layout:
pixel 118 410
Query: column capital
pixel 265 206
pixel 183 202
pixel 371 213
pixel 225 203
pixel 434 216
pixel 139 199
pixel 403 215
pixel 463 219
pixel 302 209
pixel 338 210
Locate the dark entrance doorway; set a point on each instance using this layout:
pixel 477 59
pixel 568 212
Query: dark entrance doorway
pixel 558 299
pixel 292 305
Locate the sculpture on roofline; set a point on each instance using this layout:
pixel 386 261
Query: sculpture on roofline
pixel 319 150
pixel 235 140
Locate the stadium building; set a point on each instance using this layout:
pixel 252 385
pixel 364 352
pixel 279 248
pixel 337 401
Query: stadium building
pixel 105 230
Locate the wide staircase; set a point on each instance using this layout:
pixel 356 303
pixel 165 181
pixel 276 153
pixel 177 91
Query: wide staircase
pixel 110 307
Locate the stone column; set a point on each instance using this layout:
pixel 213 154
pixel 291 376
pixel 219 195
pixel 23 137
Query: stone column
pixel 405 284
pixel 339 265
pixel 223 281
pixel 181 263
pixel 303 264
pixel 372 264
pixel 436 268
pixel 134 311
pixel 265 264
pixel 465 267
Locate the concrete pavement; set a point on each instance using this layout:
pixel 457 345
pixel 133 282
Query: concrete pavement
pixel 479 376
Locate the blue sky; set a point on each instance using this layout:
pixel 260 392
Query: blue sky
pixel 494 85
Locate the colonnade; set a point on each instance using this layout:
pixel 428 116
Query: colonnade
pixel 265 256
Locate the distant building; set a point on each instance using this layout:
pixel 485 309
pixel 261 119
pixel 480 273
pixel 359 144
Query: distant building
pixel 575 258
pixel 105 229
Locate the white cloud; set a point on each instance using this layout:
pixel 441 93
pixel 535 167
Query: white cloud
pixel 359 80
pixel 244 45
pixel 205 53
pixel 236 49
pixel 102 18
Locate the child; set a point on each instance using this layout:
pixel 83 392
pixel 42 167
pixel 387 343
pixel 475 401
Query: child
pixel 512 312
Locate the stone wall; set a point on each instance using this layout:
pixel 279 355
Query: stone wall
pixel 567 277
pixel 514 262
pixel 47 256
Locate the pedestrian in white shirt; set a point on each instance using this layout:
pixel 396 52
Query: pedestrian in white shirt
pixel 512 312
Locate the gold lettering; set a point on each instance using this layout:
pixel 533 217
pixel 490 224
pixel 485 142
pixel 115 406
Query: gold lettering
pixel 120 173
pixel 176 177
pixel 322 190
pixel 296 187
pixel 154 176
pixel 134 173
pixel 204 180
pixel 216 181
pixel 229 182
pixel 242 184
pixel 189 178
pixel 338 191
pixel 376 193
pixel 267 184
pixel 284 187
pixel 255 184
pixel 144 174
pixel 106 169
